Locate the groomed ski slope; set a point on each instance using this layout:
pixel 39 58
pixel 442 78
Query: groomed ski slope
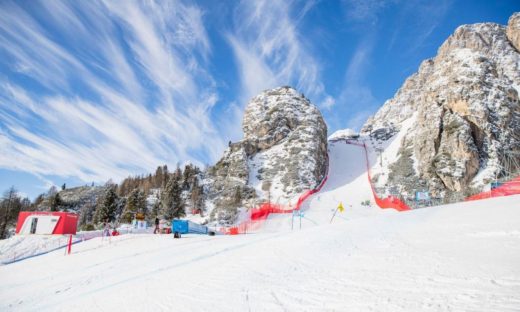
pixel 347 183
pixel 461 257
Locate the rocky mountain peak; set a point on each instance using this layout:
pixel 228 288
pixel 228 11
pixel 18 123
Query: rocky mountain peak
pixel 462 112
pixel 272 115
pixel 282 154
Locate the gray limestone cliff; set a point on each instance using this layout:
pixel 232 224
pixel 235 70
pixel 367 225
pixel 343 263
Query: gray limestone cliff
pixel 282 154
pixel 461 111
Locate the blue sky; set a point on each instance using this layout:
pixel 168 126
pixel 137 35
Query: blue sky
pixel 92 90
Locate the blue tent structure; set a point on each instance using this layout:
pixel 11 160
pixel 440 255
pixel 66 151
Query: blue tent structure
pixel 184 227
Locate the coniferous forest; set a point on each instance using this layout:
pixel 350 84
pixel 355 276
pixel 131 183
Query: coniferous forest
pixel 163 194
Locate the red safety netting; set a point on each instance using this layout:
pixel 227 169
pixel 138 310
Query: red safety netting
pixel 256 218
pixel 507 188
pixel 388 202
pixel 260 214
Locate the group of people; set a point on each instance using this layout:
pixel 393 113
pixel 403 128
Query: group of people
pixel 114 232
pixel 106 229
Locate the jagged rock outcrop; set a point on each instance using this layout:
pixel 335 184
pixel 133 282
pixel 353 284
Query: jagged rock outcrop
pixel 460 111
pixel 283 153
pixel 513 30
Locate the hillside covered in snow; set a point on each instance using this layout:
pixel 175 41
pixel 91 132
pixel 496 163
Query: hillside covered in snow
pixel 455 257
pixel 283 153
pixel 454 125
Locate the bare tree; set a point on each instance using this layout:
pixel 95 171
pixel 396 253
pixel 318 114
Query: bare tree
pixel 7 206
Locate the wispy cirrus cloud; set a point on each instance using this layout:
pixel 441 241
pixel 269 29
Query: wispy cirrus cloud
pixel 365 12
pixel 356 93
pixel 100 90
pixel 415 20
pixel 270 49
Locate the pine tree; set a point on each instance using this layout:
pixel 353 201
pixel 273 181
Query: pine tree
pixel 172 203
pixel 167 200
pixel 179 205
pixel 130 208
pixel 156 208
pixel 107 206
pixel 165 176
pixel 141 203
pixel 136 203
pixel 158 178
pixel 55 202
pixel 187 177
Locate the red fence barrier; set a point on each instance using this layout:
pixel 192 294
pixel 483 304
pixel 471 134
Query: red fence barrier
pixel 260 214
pixel 388 202
pixel 511 187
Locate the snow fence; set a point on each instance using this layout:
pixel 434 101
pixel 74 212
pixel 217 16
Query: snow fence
pixel 260 214
pixel 384 203
pixel 511 187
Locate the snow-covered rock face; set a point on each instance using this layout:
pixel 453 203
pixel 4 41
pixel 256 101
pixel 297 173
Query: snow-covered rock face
pixel 343 134
pixel 468 110
pixel 284 145
pixel 513 30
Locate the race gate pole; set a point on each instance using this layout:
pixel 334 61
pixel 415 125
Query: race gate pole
pixel 333 215
pixel 69 247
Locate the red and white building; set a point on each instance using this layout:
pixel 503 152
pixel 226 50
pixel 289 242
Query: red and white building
pixel 43 222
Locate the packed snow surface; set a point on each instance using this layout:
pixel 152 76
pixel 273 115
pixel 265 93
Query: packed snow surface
pixel 347 184
pixel 461 257
pixel 458 257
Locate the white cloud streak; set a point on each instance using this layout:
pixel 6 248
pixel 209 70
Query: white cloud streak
pixel 365 11
pixel 356 95
pixel 270 50
pixel 120 88
pixel 419 18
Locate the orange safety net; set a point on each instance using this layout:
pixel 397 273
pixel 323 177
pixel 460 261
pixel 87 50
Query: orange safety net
pixel 260 214
pixel 511 187
pixel 384 203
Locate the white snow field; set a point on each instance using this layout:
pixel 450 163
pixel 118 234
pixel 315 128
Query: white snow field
pixel 461 257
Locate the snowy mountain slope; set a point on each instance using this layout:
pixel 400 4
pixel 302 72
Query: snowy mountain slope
pixel 467 115
pixel 347 183
pixel 456 257
pixel 282 154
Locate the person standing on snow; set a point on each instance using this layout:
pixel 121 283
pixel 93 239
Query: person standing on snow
pixel 106 228
pixel 156 226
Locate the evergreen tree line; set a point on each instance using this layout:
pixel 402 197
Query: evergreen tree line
pixel 171 194
pixel 174 193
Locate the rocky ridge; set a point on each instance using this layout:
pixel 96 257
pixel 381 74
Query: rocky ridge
pixel 464 110
pixel 282 154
